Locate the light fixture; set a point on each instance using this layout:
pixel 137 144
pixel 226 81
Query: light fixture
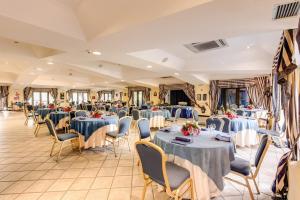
pixel 97 53
pixel 106 82
pixel 176 74
pixel 149 66
pixel 39 69
pixel 50 63
pixel 122 80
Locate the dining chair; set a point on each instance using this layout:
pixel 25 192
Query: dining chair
pixel 61 138
pixel 243 168
pixel 38 122
pixel 195 116
pixel 81 113
pixel 28 112
pixel 175 179
pixel 121 133
pixel 227 125
pixel 176 117
pixel 135 117
pixel 143 125
pixel 217 122
pixel 122 113
pixel 240 112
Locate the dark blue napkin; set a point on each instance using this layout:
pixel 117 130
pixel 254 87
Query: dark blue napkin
pixel 166 129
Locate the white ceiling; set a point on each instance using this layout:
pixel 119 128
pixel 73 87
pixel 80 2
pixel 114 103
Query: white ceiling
pixel 131 35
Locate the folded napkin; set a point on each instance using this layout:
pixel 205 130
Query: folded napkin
pixel 166 129
pixel 225 138
pixel 178 142
pixel 183 139
pixel 204 129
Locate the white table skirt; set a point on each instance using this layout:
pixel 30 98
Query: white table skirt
pixel 97 139
pixel 62 123
pixel 246 138
pixel 204 187
pixel 157 121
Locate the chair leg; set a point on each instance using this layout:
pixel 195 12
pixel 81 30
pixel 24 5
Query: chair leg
pixel 26 121
pixel 256 186
pixel 249 189
pixel 192 190
pixel 79 145
pixel 144 190
pixel 36 130
pixel 113 144
pixel 52 149
pixel 128 144
pixel 60 148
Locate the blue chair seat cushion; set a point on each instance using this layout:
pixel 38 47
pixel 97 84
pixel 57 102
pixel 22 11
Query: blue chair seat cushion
pixel 241 166
pixel 115 134
pixel 66 136
pixel 176 174
pixel 268 132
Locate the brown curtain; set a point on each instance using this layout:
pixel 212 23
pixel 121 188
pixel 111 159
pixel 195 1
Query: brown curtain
pixel 289 79
pixel 146 92
pixel 259 93
pixel 27 93
pixel 214 94
pixel 54 93
pixel 189 90
pixel 4 91
pixel 162 93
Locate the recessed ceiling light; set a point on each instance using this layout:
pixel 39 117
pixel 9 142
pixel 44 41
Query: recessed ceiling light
pixel 106 82
pixel 97 53
pixel 50 63
pixel 165 59
pixel 176 74
pixel 32 73
pixel 122 80
pixel 39 69
pixel 149 66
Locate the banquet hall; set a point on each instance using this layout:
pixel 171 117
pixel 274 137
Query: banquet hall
pixel 149 99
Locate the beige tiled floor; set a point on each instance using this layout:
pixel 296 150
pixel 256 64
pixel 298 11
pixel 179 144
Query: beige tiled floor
pixel 27 172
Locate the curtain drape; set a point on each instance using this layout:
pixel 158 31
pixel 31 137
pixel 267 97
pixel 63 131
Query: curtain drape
pixel 214 94
pixel 288 78
pixel 70 92
pixel 54 93
pixel 162 93
pixel 27 91
pixel 102 92
pixel 260 93
pixel 4 91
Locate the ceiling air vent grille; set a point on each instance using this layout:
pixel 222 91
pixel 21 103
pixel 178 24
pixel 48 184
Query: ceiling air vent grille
pixel 166 77
pixel 204 46
pixel 286 10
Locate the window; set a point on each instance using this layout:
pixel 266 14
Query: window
pixel 41 98
pixel 106 96
pixel 233 96
pixel 137 98
pixel 79 97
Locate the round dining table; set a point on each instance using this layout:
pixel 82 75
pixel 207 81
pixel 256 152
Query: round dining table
pixel 206 158
pixel 59 118
pixel 43 112
pixel 93 130
pixel 156 117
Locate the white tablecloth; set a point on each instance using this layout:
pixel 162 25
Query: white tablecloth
pixel 97 139
pixel 157 121
pixel 246 138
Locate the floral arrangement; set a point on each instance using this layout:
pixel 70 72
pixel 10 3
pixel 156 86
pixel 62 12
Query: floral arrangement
pixel 250 107
pixel 155 108
pixel 67 109
pixel 97 114
pixel 190 128
pixel 51 106
pixel 230 114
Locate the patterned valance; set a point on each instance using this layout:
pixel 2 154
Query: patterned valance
pixel 146 92
pixel 236 83
pixel 4 91
pixel 29 90
pixel 187 88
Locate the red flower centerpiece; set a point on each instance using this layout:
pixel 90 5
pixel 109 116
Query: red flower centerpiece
pixel 96 114
pixel 67 109
pixel 190 128
pixel 250 107
pixel 155 108
pixel 230 114
pixel 51 106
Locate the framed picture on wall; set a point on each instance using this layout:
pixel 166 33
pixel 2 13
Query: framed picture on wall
pixel 204 97
pixel 62 95
pixel 199 97
pixel 93 97
pixel 155 94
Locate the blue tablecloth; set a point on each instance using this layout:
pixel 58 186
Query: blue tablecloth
pixel 240 124
pixel 150 113
pixel 250 113
pixel 57 116
pixel 117 110
pixel 211 155
pixel 87 126
pixel 43 112
pixel 186 111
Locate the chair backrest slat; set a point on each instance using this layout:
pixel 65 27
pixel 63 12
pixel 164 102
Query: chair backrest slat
pixel 195 115
pixel 51 128
pixel 122 113
pixel 178 113
pixel 135 114
pixel 124 125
